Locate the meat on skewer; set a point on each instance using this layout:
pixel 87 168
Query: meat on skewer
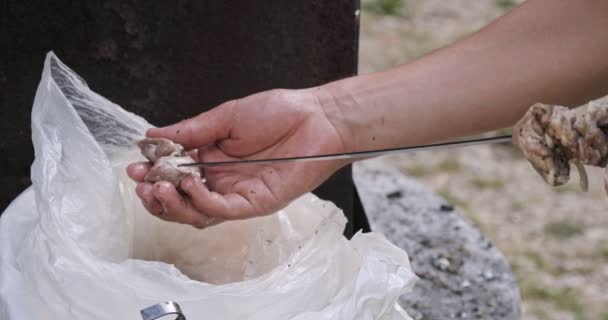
pixel 552 136
pixel 166 156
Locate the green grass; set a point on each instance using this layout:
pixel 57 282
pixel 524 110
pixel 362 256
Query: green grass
pixel 541 264
pixel 564 229
pixel 584 270
pixel 540 313
pixel 567 188
pixel 449 165
pixel 569 300
pixel 482 184
pixel 506 4
pixel 566 299
pixel 419 170
pixel 505 131
pixel 451 198
pixel 386 7
pixel 536 292
pixel 517 206
pixel 601 253
pixel 464 206
pixel 475 219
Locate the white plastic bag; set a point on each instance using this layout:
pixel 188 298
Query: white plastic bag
pixel 79 245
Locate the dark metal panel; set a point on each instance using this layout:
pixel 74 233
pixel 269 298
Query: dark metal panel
pixel 167 60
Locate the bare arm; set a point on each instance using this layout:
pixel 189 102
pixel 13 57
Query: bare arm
pixel 545 50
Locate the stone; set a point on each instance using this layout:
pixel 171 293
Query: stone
pixel 462 275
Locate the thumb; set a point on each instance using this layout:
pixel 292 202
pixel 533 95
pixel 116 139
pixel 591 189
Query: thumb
pixel 202 130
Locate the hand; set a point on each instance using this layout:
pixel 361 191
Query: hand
pixel 272 124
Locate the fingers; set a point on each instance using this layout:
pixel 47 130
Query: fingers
pixel 137 171
pixel 201 207
pixel 202 130
pixel 178 209
pixel 144 192
pixel 230 206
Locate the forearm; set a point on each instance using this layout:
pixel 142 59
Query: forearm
pixel 545 50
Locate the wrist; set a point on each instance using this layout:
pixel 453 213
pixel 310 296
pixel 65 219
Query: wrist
pixel 338 105
pixel 360 109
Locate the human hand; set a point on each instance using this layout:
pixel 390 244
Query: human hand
pixel 272 124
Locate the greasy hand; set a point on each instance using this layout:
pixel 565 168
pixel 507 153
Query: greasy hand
pixel 277 123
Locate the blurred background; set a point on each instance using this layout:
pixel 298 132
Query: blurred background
pixel 556 239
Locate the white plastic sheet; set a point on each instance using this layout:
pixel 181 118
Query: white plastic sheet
pixel 79 245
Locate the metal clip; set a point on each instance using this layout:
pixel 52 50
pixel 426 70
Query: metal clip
pixel 162 309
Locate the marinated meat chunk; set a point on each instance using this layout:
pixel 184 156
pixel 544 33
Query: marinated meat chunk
pixel 167 169
pixel 166 156
pixel 155 148
pixel 552 136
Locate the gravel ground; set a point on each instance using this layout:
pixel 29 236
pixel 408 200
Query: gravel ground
pixel 556 239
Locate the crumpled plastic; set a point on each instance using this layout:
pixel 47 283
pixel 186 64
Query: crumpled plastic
pixel 78 243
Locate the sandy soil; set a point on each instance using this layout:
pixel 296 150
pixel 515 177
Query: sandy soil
pixel 556 239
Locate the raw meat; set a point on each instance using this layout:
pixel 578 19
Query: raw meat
pixel 166 156
pixel 551 136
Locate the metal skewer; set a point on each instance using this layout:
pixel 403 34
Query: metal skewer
pixel 357 154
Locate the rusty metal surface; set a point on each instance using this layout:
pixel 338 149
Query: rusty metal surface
pixel 167 60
